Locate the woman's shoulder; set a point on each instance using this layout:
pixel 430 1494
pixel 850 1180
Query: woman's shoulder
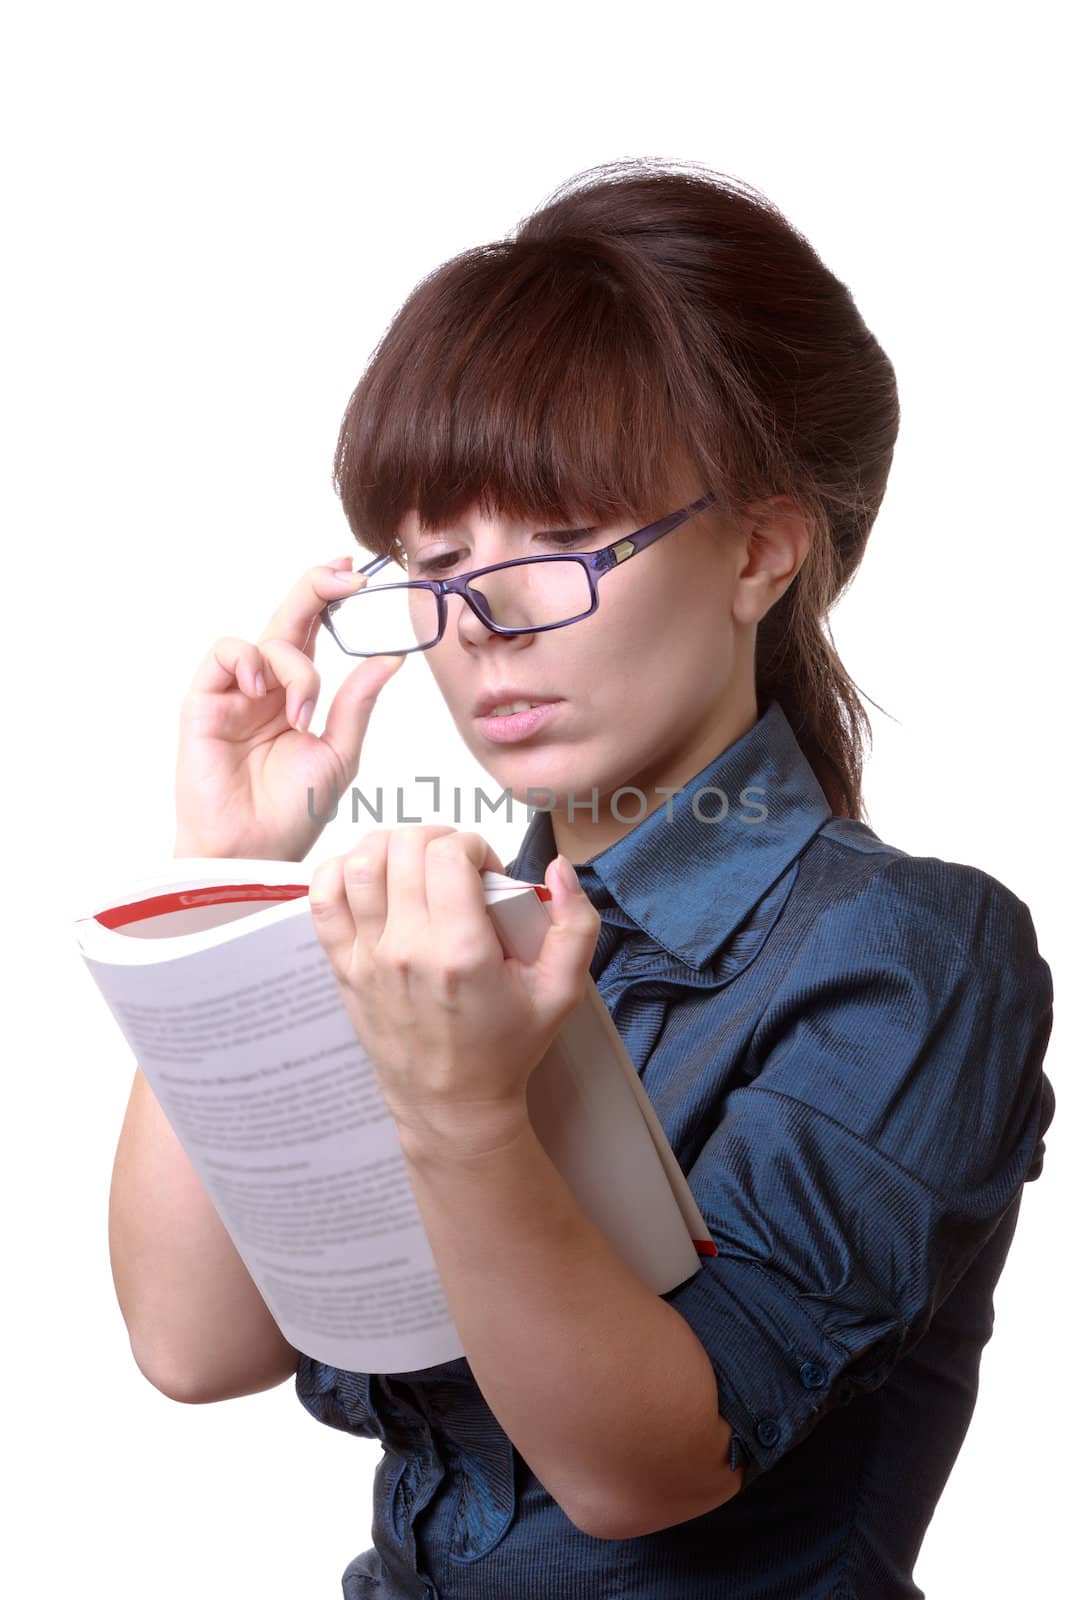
pixel 865 885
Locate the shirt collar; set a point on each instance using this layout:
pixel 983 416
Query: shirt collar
pixel 689 883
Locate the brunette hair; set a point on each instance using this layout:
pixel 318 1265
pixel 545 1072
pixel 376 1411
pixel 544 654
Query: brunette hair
pixel 645 315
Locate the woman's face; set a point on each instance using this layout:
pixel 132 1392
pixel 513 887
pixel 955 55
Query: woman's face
pixel 650 687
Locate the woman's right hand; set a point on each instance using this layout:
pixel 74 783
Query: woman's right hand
pixel 245 758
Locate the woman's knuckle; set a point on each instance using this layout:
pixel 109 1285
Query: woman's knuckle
pixel 441 836
pixel 320 895
pixel 357 866
pixel 394 956
pixel 462 960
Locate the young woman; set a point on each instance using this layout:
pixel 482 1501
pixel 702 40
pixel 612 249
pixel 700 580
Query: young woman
pixel 654 374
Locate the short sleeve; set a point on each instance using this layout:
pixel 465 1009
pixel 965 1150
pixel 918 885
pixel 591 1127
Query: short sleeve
pixel 894 1104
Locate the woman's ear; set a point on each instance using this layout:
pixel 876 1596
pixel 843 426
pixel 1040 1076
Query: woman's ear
pixel 776 540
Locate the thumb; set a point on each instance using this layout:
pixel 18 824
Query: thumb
pixel 351 707
pixel 569 943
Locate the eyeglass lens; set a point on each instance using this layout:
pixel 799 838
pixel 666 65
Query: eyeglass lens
pixel 387 619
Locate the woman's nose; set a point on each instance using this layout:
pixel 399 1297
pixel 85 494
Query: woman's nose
pixel 473 632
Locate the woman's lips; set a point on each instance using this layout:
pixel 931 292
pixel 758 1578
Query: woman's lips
pixel 519 725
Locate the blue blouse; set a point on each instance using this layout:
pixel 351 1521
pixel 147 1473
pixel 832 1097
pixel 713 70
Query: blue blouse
pixel 844 1043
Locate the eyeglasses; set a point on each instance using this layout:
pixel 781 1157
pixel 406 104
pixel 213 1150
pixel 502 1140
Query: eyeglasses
pixel 531 594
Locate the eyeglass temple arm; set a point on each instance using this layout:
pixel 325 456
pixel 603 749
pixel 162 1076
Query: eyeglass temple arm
pixel 620 550
pixel 376 565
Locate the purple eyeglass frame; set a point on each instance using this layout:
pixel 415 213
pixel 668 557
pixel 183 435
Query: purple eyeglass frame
pixel 595 562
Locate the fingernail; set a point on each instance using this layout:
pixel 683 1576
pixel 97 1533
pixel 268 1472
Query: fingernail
pixel 350 579
pixel 261 687
pixel 567 874
pixel 304 718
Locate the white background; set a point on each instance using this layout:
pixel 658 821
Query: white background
pixel 212 213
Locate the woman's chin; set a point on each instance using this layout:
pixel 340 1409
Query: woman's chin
pixel 551 785
pixel 543 776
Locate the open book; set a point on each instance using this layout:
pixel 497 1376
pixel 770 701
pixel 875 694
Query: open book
pixel 215 975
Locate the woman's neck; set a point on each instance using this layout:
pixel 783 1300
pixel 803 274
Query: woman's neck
pixel 582 836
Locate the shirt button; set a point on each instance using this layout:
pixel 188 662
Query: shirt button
pixel 812 1376
pixel 767 1431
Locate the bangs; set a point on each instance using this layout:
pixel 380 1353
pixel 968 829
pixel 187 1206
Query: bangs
pixel 523 378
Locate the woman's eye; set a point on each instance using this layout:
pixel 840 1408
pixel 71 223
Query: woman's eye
pixel 578 536
pixel 429 569
pixel 440 564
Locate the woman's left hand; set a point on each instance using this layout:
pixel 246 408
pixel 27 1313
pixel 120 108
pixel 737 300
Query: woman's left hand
pixel 452 1026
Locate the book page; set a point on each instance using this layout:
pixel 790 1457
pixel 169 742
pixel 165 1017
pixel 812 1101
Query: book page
pixel 255 1062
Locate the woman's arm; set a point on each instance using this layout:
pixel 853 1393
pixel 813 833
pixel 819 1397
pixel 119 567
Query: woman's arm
pixel 601 1386
pixel 199 1329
